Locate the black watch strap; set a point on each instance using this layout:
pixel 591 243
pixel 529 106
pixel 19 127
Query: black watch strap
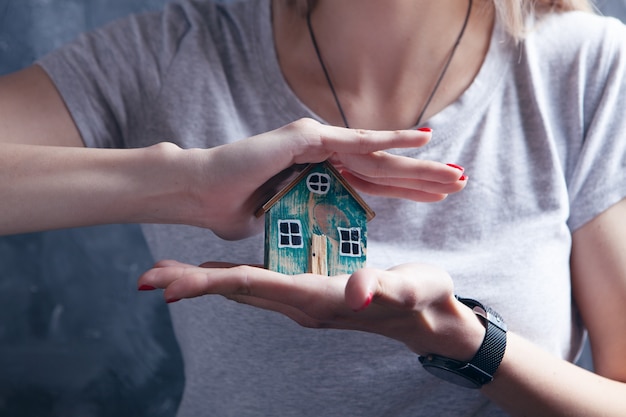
pixel 481 368
pixel 491 352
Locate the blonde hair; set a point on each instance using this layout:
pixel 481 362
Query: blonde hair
pixel 513 13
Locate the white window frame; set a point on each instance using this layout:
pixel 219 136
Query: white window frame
pixel 351 242
pixel 323 188
pixel 290 234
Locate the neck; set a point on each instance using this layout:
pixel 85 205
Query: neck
pixel 364 31
pixel 373 51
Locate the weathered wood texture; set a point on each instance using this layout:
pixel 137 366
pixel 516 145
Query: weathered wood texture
pixel 318 260
pixel 319 214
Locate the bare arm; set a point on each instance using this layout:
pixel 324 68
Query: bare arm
pixel 48 180
pixel 532 382
pixel 32 111
pixel 51 187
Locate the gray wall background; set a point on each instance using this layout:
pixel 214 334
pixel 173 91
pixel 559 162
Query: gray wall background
pixel 76 338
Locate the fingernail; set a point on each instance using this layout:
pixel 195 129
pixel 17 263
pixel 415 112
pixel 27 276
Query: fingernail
pixel 146 288
pixel 425 129
pixel 172 300
pixel 368 301
pixel 460 168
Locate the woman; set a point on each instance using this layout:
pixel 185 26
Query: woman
pixel 533 117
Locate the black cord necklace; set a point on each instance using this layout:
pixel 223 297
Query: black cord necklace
pixel 432 93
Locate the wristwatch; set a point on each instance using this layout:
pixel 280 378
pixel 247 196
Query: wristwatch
pixel 480 370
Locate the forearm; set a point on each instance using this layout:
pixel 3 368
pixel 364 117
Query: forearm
pixel 532 382
pixel 44 188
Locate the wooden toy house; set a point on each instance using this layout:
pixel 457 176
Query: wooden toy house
pixel 317 223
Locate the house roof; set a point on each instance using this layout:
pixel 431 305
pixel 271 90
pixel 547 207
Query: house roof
pixel 369 213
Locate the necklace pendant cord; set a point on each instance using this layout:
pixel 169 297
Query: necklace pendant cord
pixel 437 83
pixel 323 65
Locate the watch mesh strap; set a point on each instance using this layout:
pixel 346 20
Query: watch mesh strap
pixel 491 351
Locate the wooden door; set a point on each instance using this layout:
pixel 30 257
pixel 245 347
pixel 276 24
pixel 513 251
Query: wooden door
pixel 318 259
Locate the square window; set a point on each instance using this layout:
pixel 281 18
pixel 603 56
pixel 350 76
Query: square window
pixel 350 241
pixel 290 234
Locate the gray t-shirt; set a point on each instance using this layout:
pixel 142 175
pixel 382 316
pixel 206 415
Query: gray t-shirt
pixel 541 132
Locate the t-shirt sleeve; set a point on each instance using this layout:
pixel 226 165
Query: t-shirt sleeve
pixel 105 75
pixel 597 180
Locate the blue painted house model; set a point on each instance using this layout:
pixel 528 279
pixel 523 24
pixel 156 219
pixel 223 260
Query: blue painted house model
pixel 317 223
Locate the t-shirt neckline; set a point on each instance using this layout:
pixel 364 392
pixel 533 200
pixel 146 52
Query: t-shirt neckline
pixel 471 101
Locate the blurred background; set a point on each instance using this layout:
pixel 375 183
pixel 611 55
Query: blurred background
pixel 76 338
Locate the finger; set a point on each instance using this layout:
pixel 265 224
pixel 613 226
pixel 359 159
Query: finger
pixel 186 281
pixel 148 281
pixel 169 262
pixel 405 287
pixel 379 185
pixel 217 264
pixel 311 139
pixel 384 166
pixel 398 192
pixel 164 272
pixel 362 141
pixel 361 288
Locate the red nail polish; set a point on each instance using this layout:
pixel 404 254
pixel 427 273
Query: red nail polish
pixel 172 300
pixel 425 129
pixel 368 301
pixel 460 168
pixel 146 288
pixel 456 166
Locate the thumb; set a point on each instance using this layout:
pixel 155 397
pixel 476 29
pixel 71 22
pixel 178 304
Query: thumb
pixel 361 288
pixel 408 286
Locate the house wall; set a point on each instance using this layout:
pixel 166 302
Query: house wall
pixel 319 214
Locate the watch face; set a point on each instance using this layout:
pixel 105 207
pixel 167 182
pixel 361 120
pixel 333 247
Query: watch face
pixel 453 371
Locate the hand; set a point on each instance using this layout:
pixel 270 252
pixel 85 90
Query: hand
pixel 411 303
pixel 231 181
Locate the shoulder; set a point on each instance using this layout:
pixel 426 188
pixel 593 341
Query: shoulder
pixel 185 30
pixel 202 21
pixel 221 19
pixel 573 57
pixel 207 30
pixel 578 36
pixel 222 15
pixel 578 24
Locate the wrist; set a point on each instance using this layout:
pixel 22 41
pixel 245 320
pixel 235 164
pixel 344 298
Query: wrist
pixel 464 334
pixel 164 191
pixel 481 368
